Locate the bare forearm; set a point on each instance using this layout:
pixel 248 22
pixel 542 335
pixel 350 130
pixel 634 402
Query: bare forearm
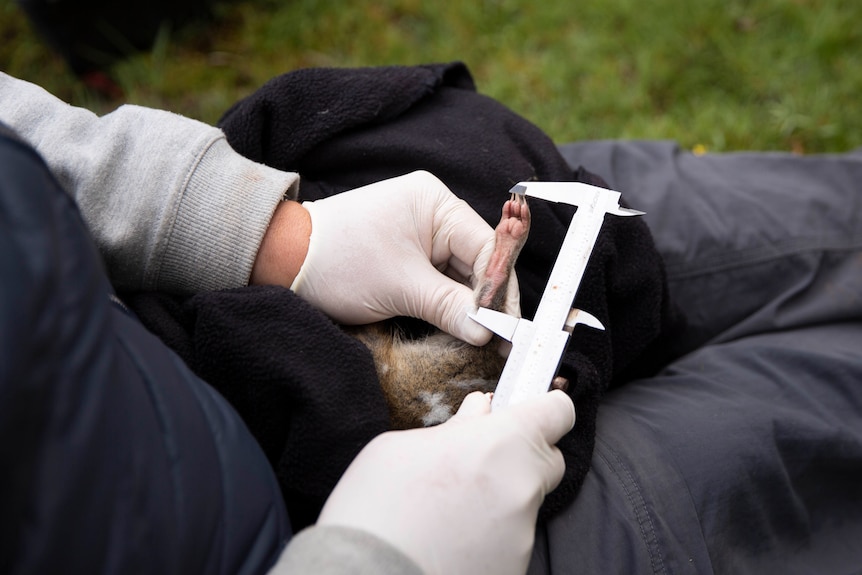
pixel 284 246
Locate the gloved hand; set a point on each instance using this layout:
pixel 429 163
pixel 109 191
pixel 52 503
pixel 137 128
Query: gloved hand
pixel 377 252
pixel 461 497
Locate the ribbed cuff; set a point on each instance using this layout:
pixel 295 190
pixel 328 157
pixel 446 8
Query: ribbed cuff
pixel 227 204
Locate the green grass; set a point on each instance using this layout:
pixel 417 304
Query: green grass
pixel 718 74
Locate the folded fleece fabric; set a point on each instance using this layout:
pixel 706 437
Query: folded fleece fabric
pixel 307 391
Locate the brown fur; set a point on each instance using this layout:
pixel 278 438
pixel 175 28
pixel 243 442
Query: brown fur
pixel 425 380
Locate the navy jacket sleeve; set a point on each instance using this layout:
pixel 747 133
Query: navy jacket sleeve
pixel 117 458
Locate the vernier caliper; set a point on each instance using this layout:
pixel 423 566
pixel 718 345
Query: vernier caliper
pixel 538 345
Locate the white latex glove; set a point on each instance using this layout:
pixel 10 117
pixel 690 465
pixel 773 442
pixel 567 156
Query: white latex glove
pixel 461 497
pixel 378 252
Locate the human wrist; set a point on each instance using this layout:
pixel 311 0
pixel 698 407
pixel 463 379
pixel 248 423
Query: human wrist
pixel 216 229
pixel 284 246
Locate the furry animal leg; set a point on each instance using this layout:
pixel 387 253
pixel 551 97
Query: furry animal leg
pixel 425 379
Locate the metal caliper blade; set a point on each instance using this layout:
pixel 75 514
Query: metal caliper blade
pixel 538 344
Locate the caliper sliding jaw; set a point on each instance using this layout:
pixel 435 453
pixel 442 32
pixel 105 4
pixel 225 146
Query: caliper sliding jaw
pixel 538 344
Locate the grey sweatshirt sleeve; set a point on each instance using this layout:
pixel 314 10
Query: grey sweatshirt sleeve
pixel 333 550
pixel 170 204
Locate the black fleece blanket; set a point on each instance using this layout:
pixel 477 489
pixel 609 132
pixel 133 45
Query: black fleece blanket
pixel 308 392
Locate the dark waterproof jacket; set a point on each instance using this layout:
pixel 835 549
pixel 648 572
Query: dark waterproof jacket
pixel 117 458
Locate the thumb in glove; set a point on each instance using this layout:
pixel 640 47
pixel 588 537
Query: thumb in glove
pixel 461 497
pixel 399 247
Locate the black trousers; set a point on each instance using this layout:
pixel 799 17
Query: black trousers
pixel 744 455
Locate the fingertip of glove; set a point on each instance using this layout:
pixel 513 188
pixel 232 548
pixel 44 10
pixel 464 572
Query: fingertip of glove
pixel 476 335
pixel 475 403
pixel 570 414
pixel 552 414
pixel 467 329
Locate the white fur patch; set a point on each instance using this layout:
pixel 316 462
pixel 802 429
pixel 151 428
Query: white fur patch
pixel 438 411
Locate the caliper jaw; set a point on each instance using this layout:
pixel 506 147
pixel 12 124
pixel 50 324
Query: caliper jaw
pixel 538 344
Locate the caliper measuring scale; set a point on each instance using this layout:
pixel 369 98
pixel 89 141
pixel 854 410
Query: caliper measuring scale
pixel 538 344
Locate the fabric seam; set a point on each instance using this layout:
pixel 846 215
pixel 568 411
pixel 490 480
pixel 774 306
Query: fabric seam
pixel 637 503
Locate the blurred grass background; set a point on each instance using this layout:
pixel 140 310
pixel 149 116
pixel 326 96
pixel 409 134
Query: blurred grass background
pixel 713 75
